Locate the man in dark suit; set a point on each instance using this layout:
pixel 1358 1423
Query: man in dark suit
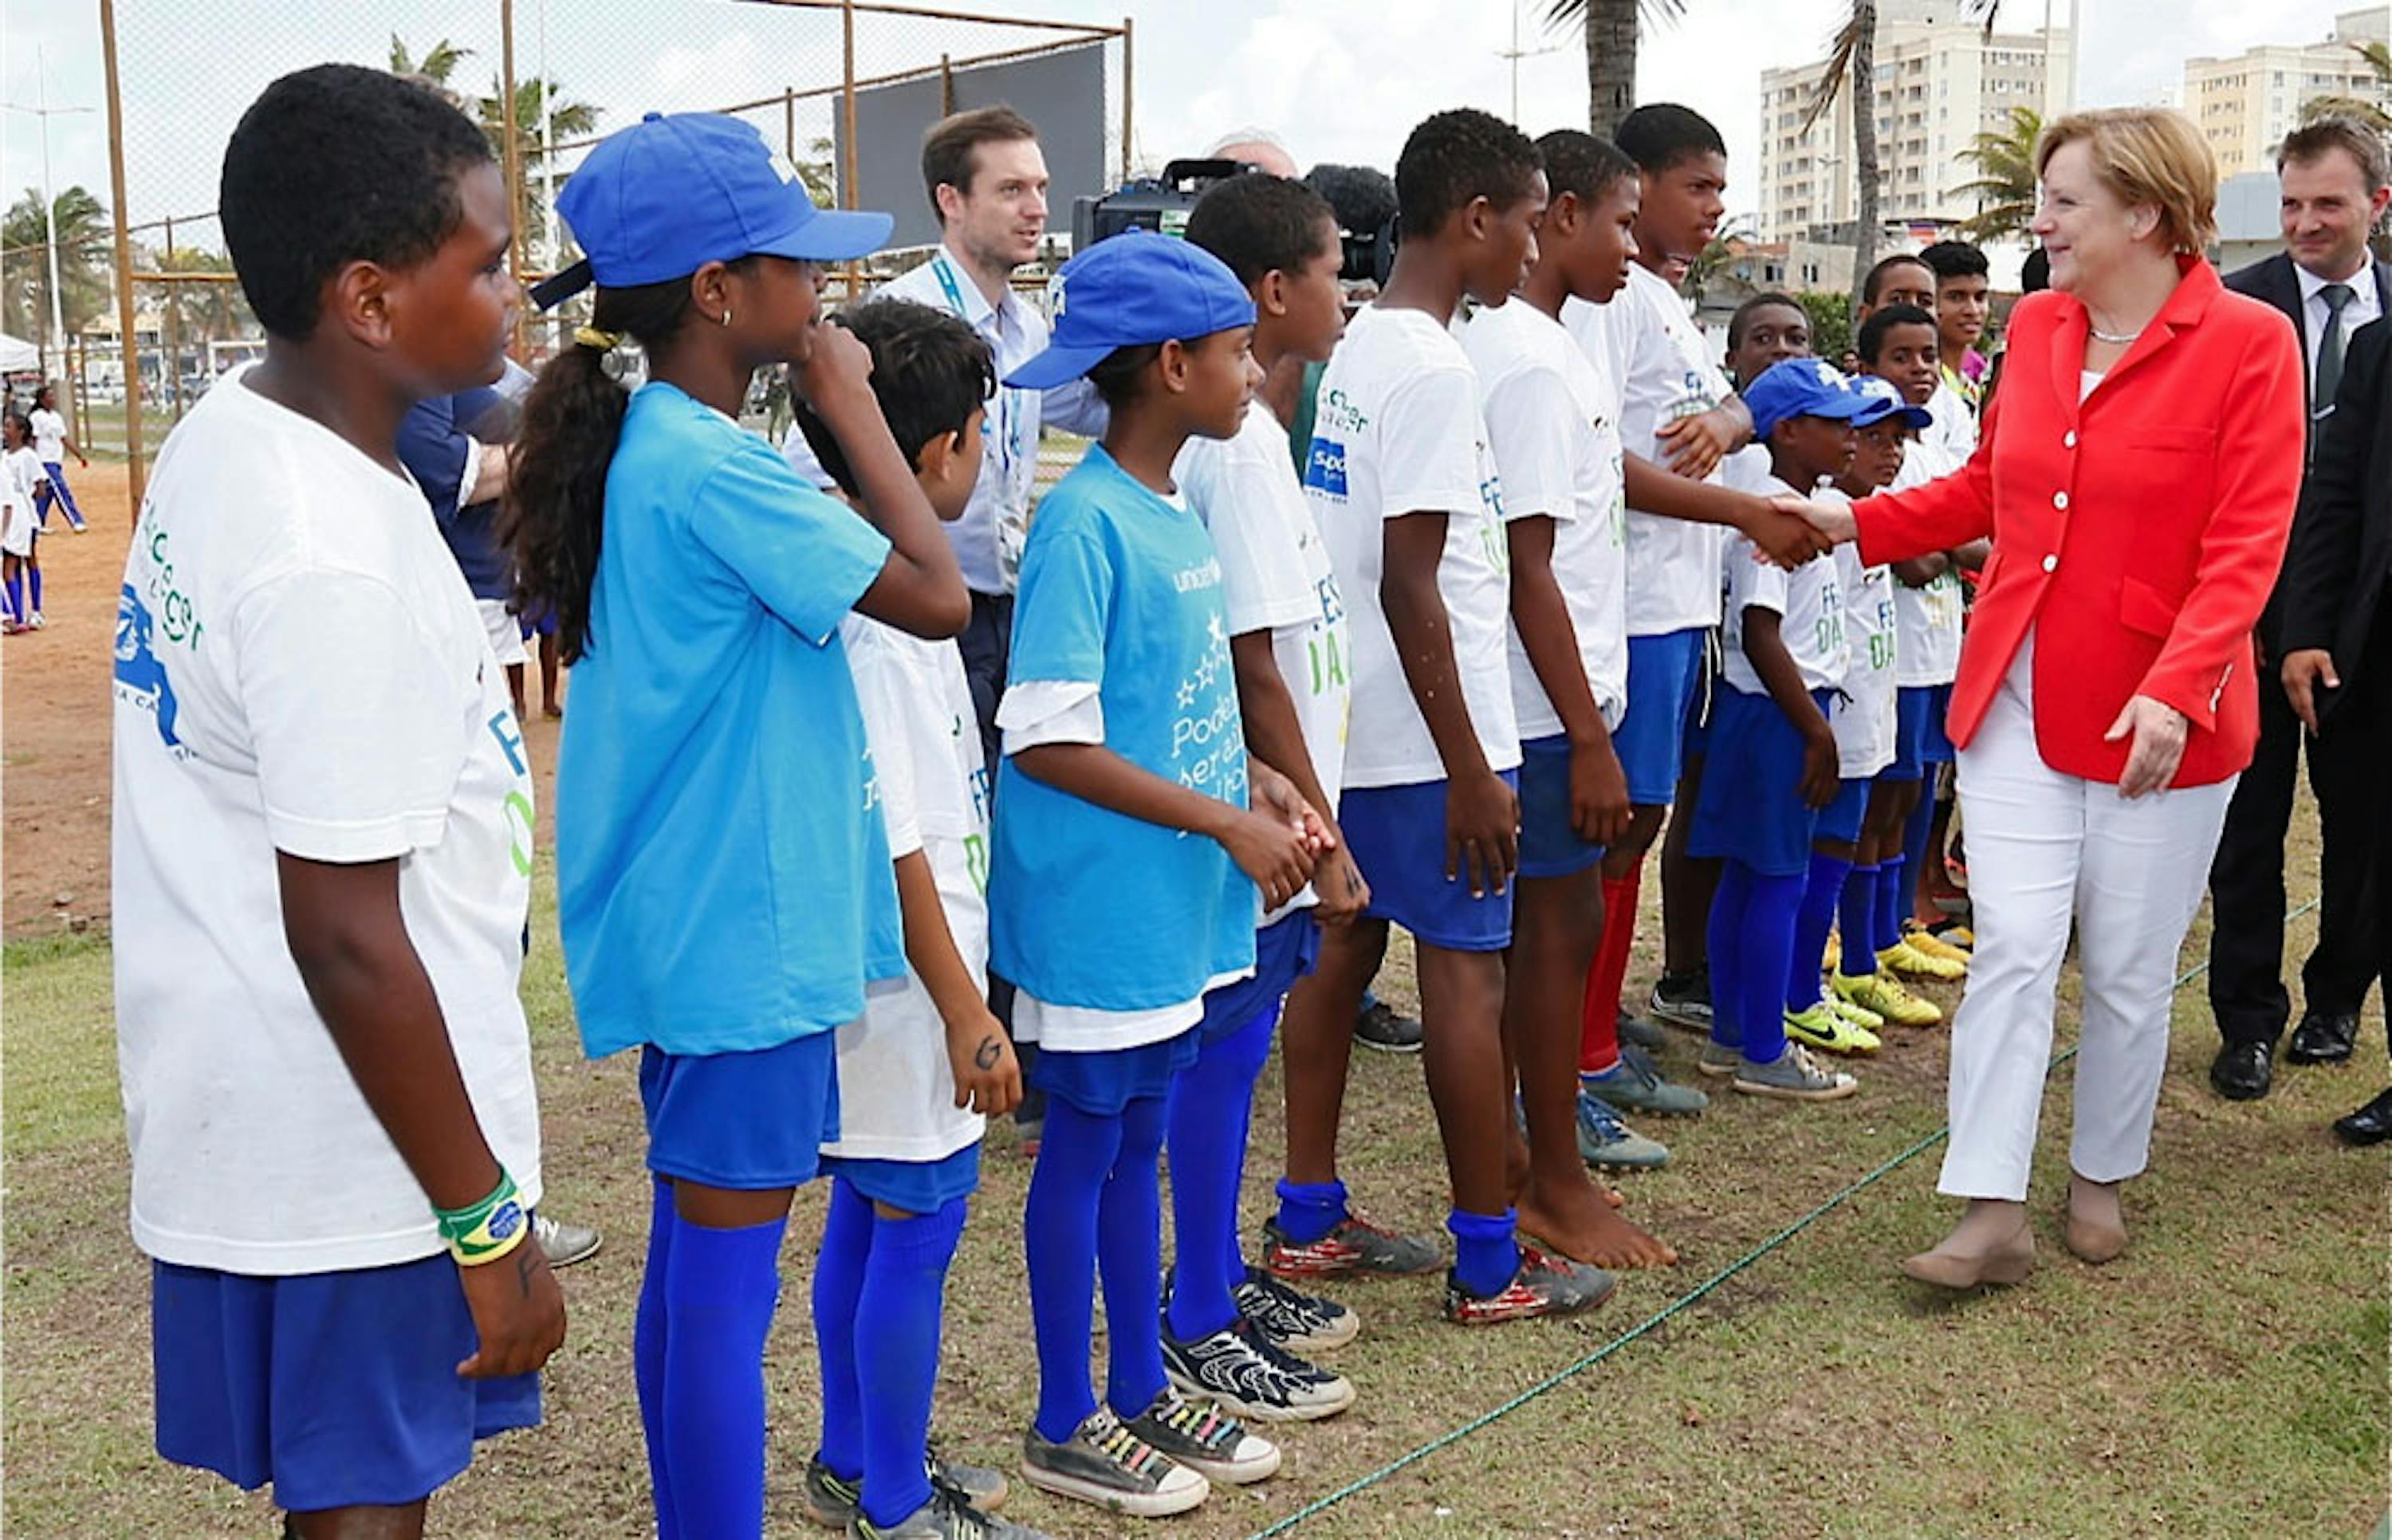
pixel 2336 184
pixel 2337 632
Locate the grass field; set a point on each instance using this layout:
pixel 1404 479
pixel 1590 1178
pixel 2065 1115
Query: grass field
pixel 2227 1377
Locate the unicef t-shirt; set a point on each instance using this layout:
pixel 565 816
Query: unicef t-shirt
pixel 723 874
pixel 1553 414
pixel 896 1086
pixel 299 668
pixel 1666 371
pixel 1091 908
pixel 1397 430
pixel 1276 577
pixel 1810 605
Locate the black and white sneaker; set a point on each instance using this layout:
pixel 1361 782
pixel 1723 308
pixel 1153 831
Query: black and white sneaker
pixel 1382 1027
pixel 945 1517
pixel 1299 1321
pixel 1243 1371
pixel 1684 1000
pixel 835 1501
pixel 1205 1439
pixel 1106 1464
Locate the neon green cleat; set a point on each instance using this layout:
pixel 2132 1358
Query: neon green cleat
pixel 1883 993
pixel 1859 1016
pixel 1902 957
pixel 1823 1028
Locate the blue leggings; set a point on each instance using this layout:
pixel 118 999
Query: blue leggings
pixel 1212 1110
pixel 1095 1207
pixel 1751 939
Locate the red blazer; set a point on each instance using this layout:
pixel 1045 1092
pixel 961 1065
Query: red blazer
pixel 2137 534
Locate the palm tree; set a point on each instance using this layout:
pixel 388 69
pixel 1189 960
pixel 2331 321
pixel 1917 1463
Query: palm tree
pixel 1609 27
pixel 540 106
pixel 2004 186
pixel 84 235
pixel 2374 109
pixel 1713 260
pixel 1853 57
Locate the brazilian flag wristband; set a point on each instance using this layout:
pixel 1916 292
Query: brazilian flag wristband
pixel 484 1231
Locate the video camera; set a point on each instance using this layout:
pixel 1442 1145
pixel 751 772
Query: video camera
pixel 1162 204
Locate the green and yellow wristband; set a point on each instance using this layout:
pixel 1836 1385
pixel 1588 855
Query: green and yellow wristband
pixel 484 1231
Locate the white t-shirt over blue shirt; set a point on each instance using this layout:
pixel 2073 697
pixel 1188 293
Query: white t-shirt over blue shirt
pixel 722 869
pixel 1090 909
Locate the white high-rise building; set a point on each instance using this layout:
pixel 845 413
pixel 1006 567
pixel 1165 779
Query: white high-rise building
pixel 2246 105
pixel 1940 81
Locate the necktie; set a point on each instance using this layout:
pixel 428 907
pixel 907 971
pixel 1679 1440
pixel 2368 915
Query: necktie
pixel 2329 364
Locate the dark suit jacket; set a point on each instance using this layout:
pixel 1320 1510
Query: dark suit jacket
pixel 2275 281
pixel 2341 556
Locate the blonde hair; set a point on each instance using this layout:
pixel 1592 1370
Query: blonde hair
pixel 2147 155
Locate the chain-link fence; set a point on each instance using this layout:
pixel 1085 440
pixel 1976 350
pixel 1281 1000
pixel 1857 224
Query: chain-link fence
pixel 837 85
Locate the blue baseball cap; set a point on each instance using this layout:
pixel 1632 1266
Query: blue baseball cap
pixel 1885 399
pixel 669 194
pixel 1128 290
pixel 1800 387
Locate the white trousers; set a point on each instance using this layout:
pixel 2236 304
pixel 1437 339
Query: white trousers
pixel 2043 849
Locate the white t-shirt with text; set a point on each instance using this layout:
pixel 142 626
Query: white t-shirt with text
pixel 1929 619
pixel 1864 713
pixel 1809 606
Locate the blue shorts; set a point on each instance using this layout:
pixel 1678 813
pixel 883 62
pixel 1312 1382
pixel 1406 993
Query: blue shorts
pixel 1285 952
pixel 917 1186
pixel 1105 1081
pixel 1549 843
pixel 338 1388
pixel 1751 806
pixel 751 1121
pixel 1397 836
pixel 1842 818
pixel 1918 737
pixel 1664 678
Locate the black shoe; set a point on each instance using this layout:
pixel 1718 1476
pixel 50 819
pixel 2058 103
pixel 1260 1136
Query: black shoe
pixel 2243 1071
pixel 2322 1039
pixel 1382 1027
pixel 2371 1124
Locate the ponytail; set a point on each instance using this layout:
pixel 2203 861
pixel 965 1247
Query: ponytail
pixel 554 516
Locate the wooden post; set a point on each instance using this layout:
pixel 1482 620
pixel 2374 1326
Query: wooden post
pixel 173 329
pixel 511 159
pixel 946 85
pixel 847 101
pixel 789 123
pixel 136 475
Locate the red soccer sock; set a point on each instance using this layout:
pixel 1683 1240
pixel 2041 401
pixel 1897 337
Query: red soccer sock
pixel 1598 1041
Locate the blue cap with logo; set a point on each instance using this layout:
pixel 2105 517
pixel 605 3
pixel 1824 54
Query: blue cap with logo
pixel 669 194
pixel 1885 399
pixel 1129 290
pixel 1800 387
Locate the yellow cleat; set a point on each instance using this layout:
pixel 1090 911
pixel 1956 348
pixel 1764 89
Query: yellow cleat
pixel 1920 939
pixel 1835 951
pixel 1822 1027
pixel 1859 1016
pixel 1902 957
pixel 1883 993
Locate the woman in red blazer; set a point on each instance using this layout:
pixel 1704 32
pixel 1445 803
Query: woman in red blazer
pixel 2137 472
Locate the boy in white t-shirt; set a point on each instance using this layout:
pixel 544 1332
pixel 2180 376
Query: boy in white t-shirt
pixel 927 1063
pixel 1773 761
pixel 324 849
pixel 1552 418
pixel 1679 420
pixel 1399 476
pixel 20 478
pixel 1232 1332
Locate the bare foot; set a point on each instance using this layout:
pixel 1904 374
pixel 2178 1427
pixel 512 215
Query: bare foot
pixel 1584 1228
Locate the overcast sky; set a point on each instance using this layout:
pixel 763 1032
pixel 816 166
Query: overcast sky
pixel 1339 80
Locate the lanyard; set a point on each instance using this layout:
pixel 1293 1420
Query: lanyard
pixel 1001 426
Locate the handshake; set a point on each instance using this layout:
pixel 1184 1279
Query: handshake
pixel 1790 530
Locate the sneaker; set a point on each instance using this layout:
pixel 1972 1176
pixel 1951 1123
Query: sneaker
pixel 1542 1286
pixel 1902 957
pixel 1604 1139
pixel 945 1517
pixel 565 1244
pixel 1299 1321
pixel 1381 1026
pixel 1246 1373
pixel 1822 1027
pixel 1882 994
pixel 1719 1059
pixel 1354 1246
pixel 36 623
pixel 1859 1016
pixel 1637 1032
pixel 835 1501
pixel 1953 933
pixel 1683 1000
pixel 1106 1465
pixel 1635 1084
pixel 1796 1077
pixel 1203 1438
pixel 1921 939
